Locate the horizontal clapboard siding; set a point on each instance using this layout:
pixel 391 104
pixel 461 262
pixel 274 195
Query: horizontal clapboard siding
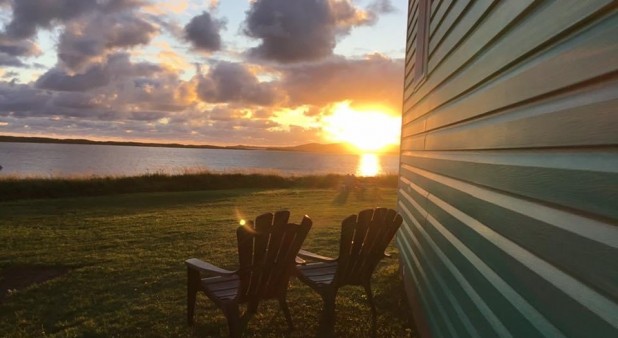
pixel 509 169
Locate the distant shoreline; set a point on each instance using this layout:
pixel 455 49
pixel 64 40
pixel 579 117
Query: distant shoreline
pixel 339 148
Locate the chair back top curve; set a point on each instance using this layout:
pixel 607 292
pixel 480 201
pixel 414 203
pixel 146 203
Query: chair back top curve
pixel 364 238
pixel 267 249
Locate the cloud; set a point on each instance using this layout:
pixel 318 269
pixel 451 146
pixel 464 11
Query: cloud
pixel 219 114
pixel 148 101
pixel 304 30
pixel 28 15
pixel 75 100
pixel 7 60
pixel 21 99
pixel 101 86
pixel 163 7
pixel 233 83
pixel 18 47
pixel 203 32
pixel 95 35
pixel 375 79
pixel 9 74
pixel 58 80
pixel 382 7
pixel 115 90
pixel 13 50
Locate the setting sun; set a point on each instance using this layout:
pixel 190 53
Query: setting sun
pixel 367 130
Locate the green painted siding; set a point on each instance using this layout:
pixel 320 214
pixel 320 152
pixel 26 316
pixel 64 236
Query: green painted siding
pixel 509 168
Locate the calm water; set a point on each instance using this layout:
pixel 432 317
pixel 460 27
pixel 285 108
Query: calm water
pixel 54 160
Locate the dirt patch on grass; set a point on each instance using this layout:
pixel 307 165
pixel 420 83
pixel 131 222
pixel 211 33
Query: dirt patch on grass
pixel 15 278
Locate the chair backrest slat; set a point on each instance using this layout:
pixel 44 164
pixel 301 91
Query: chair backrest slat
pixel 347 236
pixel 363 241
pixel 276 242
pixel 263 224
pixel 360 233
pixel 266 254
pixel 284 261
pixel 348 228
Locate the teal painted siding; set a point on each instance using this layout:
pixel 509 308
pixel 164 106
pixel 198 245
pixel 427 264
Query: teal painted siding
pixel 509 169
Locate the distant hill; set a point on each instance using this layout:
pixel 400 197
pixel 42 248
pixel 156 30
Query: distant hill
pixel 339 148
pixel 318 148
pixel 4 138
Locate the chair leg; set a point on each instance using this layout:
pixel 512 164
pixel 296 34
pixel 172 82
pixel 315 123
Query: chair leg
pixel 252 307
pixel 193 286
pixel 234 323
pixel 374 313
pixel 327 320
pixel 286 311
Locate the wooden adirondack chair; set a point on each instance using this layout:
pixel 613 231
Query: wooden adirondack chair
pixel 363 241
pixel 267 252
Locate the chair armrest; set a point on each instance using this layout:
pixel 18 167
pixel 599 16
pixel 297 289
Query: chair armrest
pixel 202 266
pixel 311 256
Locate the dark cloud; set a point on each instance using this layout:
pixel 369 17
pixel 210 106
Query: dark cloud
pixel 83 41
pixel 28 15
pixel 18 47
pixel 115 90
pixel 203 32
pixel 120 67
pixel 7 60
pixel 224 114
pixel 232 82
pixel 146 86
pixel 146 115
pixel 302 30
pixel 13 50
pixel 75 100
pixel 21 99
pixel 116 68
pixel 373 80
pixel 111 112
pixel 120 5
pixel 58 80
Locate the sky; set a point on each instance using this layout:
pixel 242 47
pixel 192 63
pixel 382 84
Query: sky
pixel 229 72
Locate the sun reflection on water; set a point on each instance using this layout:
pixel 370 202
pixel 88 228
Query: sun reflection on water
pixel 368 165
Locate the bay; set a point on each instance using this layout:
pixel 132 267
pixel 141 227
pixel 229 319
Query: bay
pixel 79 160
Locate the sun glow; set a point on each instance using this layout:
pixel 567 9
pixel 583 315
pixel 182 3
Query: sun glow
pixel 368 165
pixel 367 130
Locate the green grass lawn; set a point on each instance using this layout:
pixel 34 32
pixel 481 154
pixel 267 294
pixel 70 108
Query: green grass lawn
pixel 127 278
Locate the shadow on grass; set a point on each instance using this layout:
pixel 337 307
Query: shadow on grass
pixel 17 277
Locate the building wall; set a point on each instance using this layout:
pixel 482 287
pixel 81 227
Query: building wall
pixel 509 168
